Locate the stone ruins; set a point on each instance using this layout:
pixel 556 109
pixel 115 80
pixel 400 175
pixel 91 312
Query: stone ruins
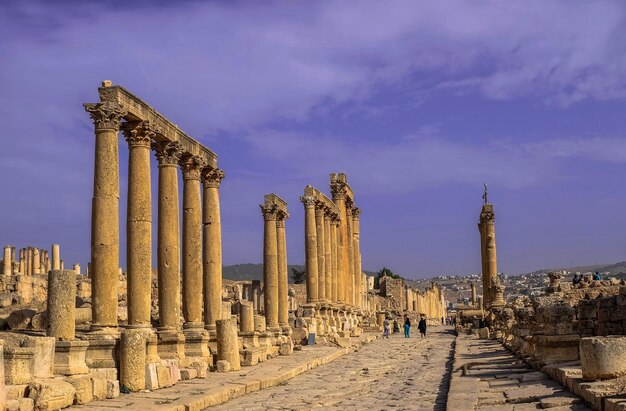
pixel 74 338
pixel 180 336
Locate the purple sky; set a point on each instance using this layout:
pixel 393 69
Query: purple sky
pixel 419 102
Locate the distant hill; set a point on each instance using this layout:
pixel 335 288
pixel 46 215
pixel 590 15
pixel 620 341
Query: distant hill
pixel 240 272
pixel 614 269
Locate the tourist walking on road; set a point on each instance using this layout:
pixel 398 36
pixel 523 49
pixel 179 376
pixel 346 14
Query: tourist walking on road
pixel 386 328
pixel 422 327
pixel 407 326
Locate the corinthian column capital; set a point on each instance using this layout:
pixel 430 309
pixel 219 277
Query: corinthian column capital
pixel 356 213
pixel 269 211
pixel 192 166
pixel 338 189
pixel 167 152
pixel 308 201
pixel 106 115
pixel 212 177
pixel 281 218
pixel 139 134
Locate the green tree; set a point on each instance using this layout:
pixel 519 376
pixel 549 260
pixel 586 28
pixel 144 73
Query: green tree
pixel 298 276
pixel 384 272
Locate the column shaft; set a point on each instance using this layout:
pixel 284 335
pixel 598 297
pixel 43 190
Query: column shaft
pixel 212 247
pixel 350 256
pixel 7 261
pixel 334 249
pixel 139 225
pixel 192 242
pixel 321 252
pixel 105 238
pixel 270 267
pixel 356 251
pixel 327 260
pixel 168 246
pixel 283 276
pixel 310 240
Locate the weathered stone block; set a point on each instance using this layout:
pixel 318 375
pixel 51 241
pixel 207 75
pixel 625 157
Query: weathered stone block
pixel 152 379
pixel 602 357
pixel 43 358
pixel 69 357
pixel 113 389
pixel 99 386
pixel 223 366
pixel 84 388
pixel 18 365
pixel 188 373
pixel 51 394
pixel 164 376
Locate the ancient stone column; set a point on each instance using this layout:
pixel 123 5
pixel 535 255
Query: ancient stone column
pixel 139 224
pixel 76 268
pixel 246 317
pixel 488 238
pixel 474 300
pixel 105 239
pixel 328 259
pixel 192 242
pixel 310 248
pixel 7 261
pixel 228 343
pixel 283 275
pixel 168 248
pixel 56 254
pixel 36 261
pixel 212 247
pixel 338 190
pixel 29 261
pixel 321 252
pixel 270 265
pixel 350 254
pixel 133 359
pixel 356 251
pixel 61 305
pixel 334 224
pixel 22 268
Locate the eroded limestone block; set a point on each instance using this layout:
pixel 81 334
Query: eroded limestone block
pixel 20 319
pixel 603 357
pixel 43 358
pixel 84 388
pixel 51 394
pixel 164 376
pixel 69 357
pixel 18 365
pixel 152 380
pixel 223 366
pixel 99 388
pixel 113 389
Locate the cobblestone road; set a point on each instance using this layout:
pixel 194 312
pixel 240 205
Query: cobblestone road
pixel 398 373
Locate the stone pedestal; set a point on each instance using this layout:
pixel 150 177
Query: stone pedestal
pixel 197 343
pixel 603 357
pixel 18 365
pixel 171 344
pixel 69 357
pixel 227 343
pixel 102 350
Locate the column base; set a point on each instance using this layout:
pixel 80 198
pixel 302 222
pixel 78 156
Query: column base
pixel 286 329
pixel 171 344
pixel 197 342
pixel 69 357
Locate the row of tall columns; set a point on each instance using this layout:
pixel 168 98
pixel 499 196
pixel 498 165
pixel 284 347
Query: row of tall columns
pixel 431 302
pixel 201 242
pixel 275 276
pixel 31 260
pixel 486 227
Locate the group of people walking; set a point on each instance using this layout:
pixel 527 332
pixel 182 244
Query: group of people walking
pixel 421 326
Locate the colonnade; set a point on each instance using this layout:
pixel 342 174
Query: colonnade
pixel 147 131
pixel 430 302
pixel 30 260
pixel 275 275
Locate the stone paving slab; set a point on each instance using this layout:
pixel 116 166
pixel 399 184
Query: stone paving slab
pixel 218 388
pixel 488 377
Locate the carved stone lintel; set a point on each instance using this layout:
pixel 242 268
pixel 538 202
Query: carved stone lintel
pixel 139 134
pixel 212 178
pixel 308 201
pixel 168 153
pixel 269 211
pixel 105 116
pixel 192 166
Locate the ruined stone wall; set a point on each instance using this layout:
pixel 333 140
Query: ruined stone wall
pixel 602 316
pixel 393 289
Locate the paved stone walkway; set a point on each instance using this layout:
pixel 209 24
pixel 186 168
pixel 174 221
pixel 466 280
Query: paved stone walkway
pixel 395 373
pixel 488 377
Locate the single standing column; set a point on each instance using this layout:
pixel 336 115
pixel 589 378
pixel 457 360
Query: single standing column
pixel 474 300
pixel 56 256
pixel 212 247
pixel 168 247
pixel 321 252
pixel 334 223
pixel 283 276
pixel 338 190
pixel 29 261
pixel 327 259
pixel 350 252
pixel 311 248
pixel 139 224
pixel 488 241
pixel 22 261
pixel 356 250
pixel 105 236
pixel 192 242
pixel 36 261
pixel 7 260
pixel 270 266
pixel 62 305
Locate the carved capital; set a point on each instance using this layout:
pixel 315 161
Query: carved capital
pixel 269 211
pixel 356 213
pixel 212 178
pixel 308 201
pixel 167 152
pixel 320 208
pixel 106 116
pixel 139 134
pixel 192 166
pixel 281 218
pixel 338 189
pixel 487 217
